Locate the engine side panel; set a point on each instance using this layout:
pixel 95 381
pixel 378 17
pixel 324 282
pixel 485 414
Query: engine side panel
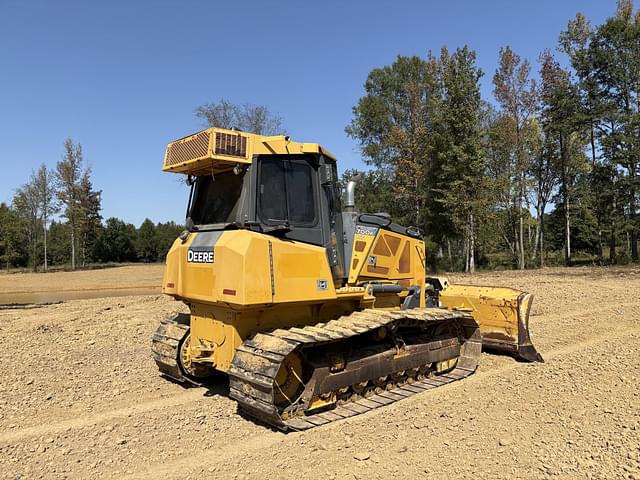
pixel 383 255
pixel 246 268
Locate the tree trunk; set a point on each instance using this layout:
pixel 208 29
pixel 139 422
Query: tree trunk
pixel 516 245
pixel 567 232
pixel 592 141
pixel 472 244
pixel 45 244
pixel 600 248
pixel 540 209
pixel 83 250
pixel 522 263
pixel 542 241
pixel 536 238
pixel 612 240
pixel 73 248
pixel 449 254
pixel 632 215
pixel 465 251
pixel 593 146
pixel 35 254
pixel 565 202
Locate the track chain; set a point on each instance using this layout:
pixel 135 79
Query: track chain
pixel 165 345
pixel 258 360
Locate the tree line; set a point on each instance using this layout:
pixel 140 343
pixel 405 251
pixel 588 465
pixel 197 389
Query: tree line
pixel 546 171
pixel 54 219
pixel 549 165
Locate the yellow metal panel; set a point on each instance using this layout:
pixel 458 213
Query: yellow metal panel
pixel 198 154
pixel 494 307
pixel 360 255
pixel 301 272
pixel 250 268
pixel 502 314
pixel 194 281
pixel 242 260
pixel 216 330
pixel 387 256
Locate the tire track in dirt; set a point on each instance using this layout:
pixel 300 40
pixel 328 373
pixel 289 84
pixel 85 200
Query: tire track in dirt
pixel 270 439
pixel 94 419
pixel 221 455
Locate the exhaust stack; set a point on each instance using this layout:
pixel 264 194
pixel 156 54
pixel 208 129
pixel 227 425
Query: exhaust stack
pixel 349 199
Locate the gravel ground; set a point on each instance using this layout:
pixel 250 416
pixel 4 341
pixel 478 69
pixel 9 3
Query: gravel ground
pixel 80 397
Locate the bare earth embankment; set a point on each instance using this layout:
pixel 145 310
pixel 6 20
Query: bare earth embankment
pixel 25 288
pixel 80 397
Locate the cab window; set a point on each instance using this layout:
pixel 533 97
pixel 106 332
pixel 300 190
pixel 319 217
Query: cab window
pixel 286 192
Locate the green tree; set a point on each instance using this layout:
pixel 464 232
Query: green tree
pixel 373 192
pixel 147 242
pixel 12 238
pixel 27 205
pixel 58 251
pixel 90 219
pixel 607 62
pixel 116 242
pixel 544 174
pixel 391 123
pixel 517 95
pixel 456 183
pixel 419 126
pixel 166 234
pixel 43 182
pixel 69 172
pixel 565 130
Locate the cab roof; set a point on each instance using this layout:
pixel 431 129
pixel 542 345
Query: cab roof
pixel 217 149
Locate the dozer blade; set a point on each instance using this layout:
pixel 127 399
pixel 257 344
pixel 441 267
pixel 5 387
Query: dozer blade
pixel 502 313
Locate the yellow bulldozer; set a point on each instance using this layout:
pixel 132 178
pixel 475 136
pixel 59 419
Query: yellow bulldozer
pixel 315 311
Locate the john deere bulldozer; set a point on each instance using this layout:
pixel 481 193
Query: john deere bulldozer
pixel 316 312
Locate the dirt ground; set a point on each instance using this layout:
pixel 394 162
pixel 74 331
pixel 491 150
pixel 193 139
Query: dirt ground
pixel 133 276
pixel 27 288
pixel 80 397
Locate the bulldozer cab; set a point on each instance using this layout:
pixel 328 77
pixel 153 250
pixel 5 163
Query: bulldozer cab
pixel 291 195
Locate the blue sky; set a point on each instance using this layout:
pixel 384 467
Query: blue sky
pixel 123 77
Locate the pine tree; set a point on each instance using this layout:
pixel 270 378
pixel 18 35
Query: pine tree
pixel 90 218
pixel 12 238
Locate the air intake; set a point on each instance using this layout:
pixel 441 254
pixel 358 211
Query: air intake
pixel 231 144
pixel 191 148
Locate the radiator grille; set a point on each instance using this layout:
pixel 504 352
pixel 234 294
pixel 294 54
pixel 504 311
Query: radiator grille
pixel 230 144
pixel 195 147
